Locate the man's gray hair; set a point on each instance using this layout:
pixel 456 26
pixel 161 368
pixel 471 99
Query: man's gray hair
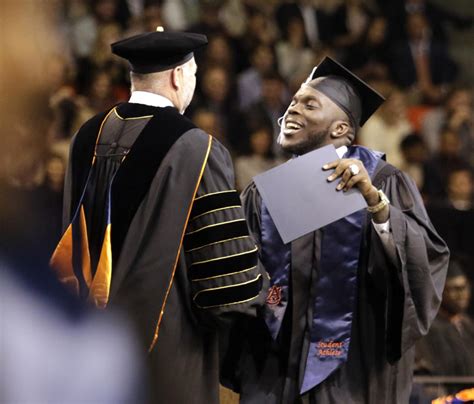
pixel 152 82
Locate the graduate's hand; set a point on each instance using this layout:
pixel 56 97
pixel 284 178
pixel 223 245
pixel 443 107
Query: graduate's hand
pixel 361 180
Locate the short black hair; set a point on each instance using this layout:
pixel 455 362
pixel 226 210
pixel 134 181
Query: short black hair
pixel 410 141
pixel 455 269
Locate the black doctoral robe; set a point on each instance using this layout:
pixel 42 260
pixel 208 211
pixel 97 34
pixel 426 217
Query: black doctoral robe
pixel 396 303
pixel 182 259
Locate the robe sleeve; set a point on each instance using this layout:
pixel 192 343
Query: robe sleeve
pixel 414 283
pixel 221 254
pixel 251 202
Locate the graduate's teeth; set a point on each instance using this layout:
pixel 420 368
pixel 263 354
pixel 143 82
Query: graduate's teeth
pixel 292 125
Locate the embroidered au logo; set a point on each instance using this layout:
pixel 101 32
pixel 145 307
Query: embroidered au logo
pixel 274 295
pixel 331 349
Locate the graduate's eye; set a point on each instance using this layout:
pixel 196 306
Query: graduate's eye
pixel 311 106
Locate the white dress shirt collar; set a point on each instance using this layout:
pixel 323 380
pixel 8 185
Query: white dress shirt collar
pixel 341 151
pixel 151 99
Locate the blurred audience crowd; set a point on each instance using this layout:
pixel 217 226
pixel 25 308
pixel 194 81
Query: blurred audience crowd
pixel 258 55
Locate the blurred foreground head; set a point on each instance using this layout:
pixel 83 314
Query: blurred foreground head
pixel 52 350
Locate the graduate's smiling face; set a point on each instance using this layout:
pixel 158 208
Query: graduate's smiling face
pixel 310 122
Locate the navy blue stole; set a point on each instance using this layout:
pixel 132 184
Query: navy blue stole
pixel 336 287
pixel 276 258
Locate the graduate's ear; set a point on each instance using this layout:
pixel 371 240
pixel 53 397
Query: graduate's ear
pixel 339 129
pixel 176 77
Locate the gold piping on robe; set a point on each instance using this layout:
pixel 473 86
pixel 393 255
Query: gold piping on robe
pixel 224 257
pixel 217 242
pixel 216 210
pixel 215 193
pixel 226 287
pixel 98 135
pixel 162 311
pixel 130 119
pixel 228 304
pixel 228 274
pixel 214 225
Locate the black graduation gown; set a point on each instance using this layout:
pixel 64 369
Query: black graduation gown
pixel 396 303
pixel 183 261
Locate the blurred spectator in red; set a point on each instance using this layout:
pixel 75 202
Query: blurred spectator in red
pixel 457 114
pixel 249 82
pixel 62 98
pixel 444 162
pixel 260 156
pixel 368 56
pixel 414 156
pixel 421 63
pixel 448 348
pixel 387 127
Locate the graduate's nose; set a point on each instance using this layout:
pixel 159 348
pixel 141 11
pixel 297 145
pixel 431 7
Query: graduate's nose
pixel 294 108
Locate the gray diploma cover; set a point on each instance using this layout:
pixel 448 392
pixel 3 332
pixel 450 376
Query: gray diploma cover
pixel 299 198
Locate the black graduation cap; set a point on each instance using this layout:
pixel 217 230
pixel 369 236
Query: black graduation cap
pixel 152 52
pixel 355 97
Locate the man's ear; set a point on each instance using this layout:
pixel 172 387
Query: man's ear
pixel 176 75
pixel 339 129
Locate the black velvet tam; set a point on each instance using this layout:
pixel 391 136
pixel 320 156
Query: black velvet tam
pixel 355 97
pixel 152 52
